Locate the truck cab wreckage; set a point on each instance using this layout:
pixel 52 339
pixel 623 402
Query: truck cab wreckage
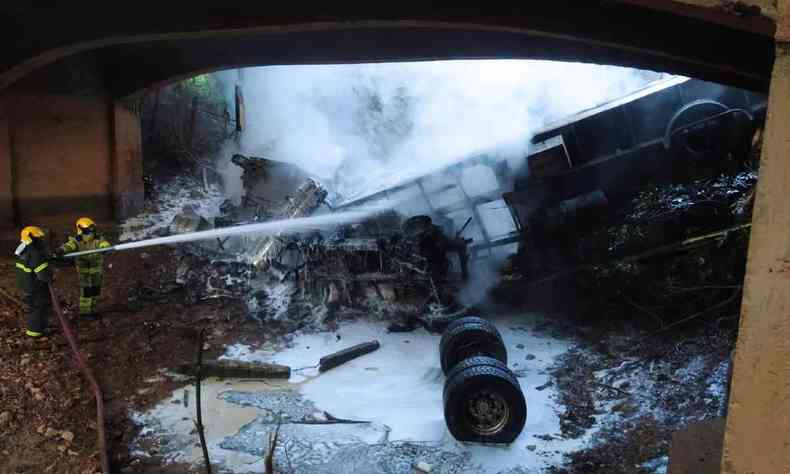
pixel 388 264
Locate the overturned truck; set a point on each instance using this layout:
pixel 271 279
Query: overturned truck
pixel 653 167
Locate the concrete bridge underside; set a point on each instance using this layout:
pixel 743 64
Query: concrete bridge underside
pixel 69 145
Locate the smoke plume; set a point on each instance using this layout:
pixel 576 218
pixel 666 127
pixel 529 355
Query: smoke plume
pixel 362 127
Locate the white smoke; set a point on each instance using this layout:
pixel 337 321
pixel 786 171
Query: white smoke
pixel 363 128
pixel 366 126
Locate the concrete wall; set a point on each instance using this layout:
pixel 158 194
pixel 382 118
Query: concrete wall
pixel 757 439
pixel 127 161
pixel 67 149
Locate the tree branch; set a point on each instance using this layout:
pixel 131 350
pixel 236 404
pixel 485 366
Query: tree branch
pixel 198 409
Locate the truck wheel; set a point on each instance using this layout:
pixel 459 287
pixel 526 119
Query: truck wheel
pixel 476 362
pixel 484 404
pixel 469 337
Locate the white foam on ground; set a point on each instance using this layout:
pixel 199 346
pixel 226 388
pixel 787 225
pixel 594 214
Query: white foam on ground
pixel 171 199
pixel 172 424
pixel 400 385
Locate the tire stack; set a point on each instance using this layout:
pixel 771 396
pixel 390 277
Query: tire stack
pixel 483 401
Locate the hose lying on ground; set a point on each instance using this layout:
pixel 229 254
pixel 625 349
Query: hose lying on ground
pixel 86 371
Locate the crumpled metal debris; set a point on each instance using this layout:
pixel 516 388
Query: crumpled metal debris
pixel 385 265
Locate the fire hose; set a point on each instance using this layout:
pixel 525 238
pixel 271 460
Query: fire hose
pixel 86 371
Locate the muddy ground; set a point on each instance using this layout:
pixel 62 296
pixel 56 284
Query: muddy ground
pixel 47 412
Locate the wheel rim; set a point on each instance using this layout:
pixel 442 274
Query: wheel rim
pixel 487 412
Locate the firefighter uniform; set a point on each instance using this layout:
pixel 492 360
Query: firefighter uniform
pixel 32 279
pixel 90 268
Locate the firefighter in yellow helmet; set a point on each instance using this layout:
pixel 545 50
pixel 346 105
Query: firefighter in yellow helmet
pixel 32 279
pixel 90 268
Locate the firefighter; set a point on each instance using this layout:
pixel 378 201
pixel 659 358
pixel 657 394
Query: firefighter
pixel 90 268
pixel 33 276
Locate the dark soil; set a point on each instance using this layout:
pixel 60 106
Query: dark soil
pixel 41 389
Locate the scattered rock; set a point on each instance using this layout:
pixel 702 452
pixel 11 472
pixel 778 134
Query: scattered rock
pixel 41 429
pixel 530 357
pixel 626 408
pixel 5 418
pixel 532 447
pixel 423 467
pixel 50 433
pixel 68 436
pixel 544 386
pixel 519 346
pixel 62 448
pixel 545 437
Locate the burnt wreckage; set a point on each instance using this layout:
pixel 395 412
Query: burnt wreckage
pixel 579 176
pixel 687 142
pixel 679 139
pixel 388 264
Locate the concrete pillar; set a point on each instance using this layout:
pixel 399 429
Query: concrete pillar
pixel 61 150
pixel 127 162
pixel 757 438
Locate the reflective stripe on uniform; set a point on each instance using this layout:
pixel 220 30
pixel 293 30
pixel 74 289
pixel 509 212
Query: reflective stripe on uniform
pixel 90 270
pixel 41 267
pixel 23 267
pixel 103 245
pixel 33 333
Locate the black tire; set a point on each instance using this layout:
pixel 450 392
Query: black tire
pixel 470 337
pixel 475 362
pixel 469 319
pixel 484 404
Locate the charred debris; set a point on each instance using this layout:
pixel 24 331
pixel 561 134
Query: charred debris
pixel 389 265
pixel 640 206
pixel 641 209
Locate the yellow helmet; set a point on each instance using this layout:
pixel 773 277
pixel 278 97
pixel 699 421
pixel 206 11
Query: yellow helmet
pixel 84 223
pixel 29 232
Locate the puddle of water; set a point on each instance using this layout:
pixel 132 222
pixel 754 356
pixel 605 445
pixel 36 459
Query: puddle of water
pixel 172 422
